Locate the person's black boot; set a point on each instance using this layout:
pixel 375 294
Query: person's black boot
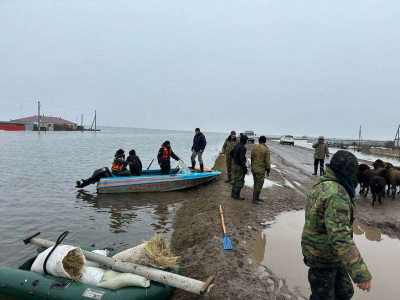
pixel 193 165
pixel 315 170
pixel 233 192
pixel 237 194
pixel 256 199
pixel 201 168
pixel 321 171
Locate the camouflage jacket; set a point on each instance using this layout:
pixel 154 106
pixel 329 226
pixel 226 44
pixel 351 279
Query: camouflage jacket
pixel 229 145
pixel 260 159
pixel 328 229
pixel 321 150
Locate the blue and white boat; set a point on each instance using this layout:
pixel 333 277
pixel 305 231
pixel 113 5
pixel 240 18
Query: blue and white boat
pixel 149 181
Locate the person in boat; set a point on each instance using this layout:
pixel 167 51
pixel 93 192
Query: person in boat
pixel 238 154
pixel 164 157
pixel 327 241
pixel 199 144
pixel 119 164
pixel 135 165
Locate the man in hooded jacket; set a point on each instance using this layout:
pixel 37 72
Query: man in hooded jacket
pixel 239 166
pixel 135 165
pixel 229 144
pixel 327 240
pixel 199 144
pixel 118 167
pixel 164 157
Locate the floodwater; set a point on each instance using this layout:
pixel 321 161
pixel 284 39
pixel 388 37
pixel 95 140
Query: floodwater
pixel 279 249
pixel 37 188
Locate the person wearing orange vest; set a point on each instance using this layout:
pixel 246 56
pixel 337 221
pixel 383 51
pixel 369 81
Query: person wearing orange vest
pixel 164 157
pixel 118 167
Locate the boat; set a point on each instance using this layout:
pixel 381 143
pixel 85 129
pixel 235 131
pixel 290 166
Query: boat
pixel 148 181
pixel 21 283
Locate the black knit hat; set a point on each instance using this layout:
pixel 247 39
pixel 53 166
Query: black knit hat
pixel 120 152
pixel 262 139
pixel 197 129
pixel 166 143
pixel 346 162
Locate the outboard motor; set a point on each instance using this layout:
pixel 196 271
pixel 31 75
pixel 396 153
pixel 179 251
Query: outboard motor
pixel 97 175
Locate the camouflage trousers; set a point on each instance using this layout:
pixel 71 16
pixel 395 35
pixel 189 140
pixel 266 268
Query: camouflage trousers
pixel 229 163
pixel 329 281
pixel 258 179
pixel 238 176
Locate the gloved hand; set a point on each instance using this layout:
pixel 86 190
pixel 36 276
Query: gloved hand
pixel 268 171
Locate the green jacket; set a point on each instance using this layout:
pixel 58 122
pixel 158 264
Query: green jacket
pixel 321 150
pixel 229 145
pixel 260 159
pixel 328 229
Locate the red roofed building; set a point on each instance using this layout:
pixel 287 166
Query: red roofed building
pixel 49 123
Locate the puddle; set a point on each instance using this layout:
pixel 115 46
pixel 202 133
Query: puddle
pixel 248 181
pixel 280 250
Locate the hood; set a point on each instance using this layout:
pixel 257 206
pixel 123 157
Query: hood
pixel 119 155
pixel 243 139
pixel 132 152
pixel 165 144
pixel 230 138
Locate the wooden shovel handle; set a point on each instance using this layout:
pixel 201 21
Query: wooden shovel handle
pixel 222 218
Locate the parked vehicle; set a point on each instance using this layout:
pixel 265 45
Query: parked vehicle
pixel 251 135
pixel 287 139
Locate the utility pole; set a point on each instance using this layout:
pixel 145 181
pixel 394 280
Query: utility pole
pixel 359 138
pixel 95 121
pixel 81 122
pixel 397 137
pixel 38 118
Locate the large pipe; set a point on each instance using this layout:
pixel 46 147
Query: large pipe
pixel 178 281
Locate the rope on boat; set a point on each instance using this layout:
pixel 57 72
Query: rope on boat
pixel 58 242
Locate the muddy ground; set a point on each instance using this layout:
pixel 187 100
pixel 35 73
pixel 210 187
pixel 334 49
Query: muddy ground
pixel 197 236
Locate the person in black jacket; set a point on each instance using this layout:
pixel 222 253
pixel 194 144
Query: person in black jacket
pixel 135 165
pixel 238 154
pixel 199 144
pixel 164 157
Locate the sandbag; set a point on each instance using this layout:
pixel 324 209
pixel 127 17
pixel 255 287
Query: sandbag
pixel 115 280
pixel 154 253
pixel 92 275
pixel 59 263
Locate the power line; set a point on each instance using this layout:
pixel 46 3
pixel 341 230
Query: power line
pixel 50 104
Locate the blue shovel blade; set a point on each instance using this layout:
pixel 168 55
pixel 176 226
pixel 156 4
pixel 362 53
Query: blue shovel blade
pixel 227 243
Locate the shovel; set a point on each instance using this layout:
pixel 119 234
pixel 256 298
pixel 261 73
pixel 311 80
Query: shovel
pixel 226 242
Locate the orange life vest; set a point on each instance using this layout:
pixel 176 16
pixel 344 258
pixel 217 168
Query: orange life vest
pixel 166 153
pixel 116 166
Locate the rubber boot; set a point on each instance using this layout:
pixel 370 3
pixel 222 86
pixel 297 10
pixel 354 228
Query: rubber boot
pixel 233 192
pixel 229 178
pixel 321 171
pixel 315 170
pixel 237 194
pixel 193 165
pixel 256 199
pixel 201 168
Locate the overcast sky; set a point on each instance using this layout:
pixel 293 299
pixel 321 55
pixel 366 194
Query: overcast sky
pixel 277 67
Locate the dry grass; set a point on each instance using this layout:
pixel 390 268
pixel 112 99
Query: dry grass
pixel 158 252
pixel 73 264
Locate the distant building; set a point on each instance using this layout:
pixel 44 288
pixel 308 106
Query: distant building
pixel 47 123
pixel 10 126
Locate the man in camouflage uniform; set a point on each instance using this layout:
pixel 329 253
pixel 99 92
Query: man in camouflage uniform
pixel 260 163
pixel 321 150
pixel 238 155
pixel 229 144
pixel 327 241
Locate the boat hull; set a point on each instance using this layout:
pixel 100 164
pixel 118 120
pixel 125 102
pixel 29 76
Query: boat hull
pixel 160 183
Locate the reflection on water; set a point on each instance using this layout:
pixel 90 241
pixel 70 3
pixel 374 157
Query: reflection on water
pixel 279 249
pixel 370 233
